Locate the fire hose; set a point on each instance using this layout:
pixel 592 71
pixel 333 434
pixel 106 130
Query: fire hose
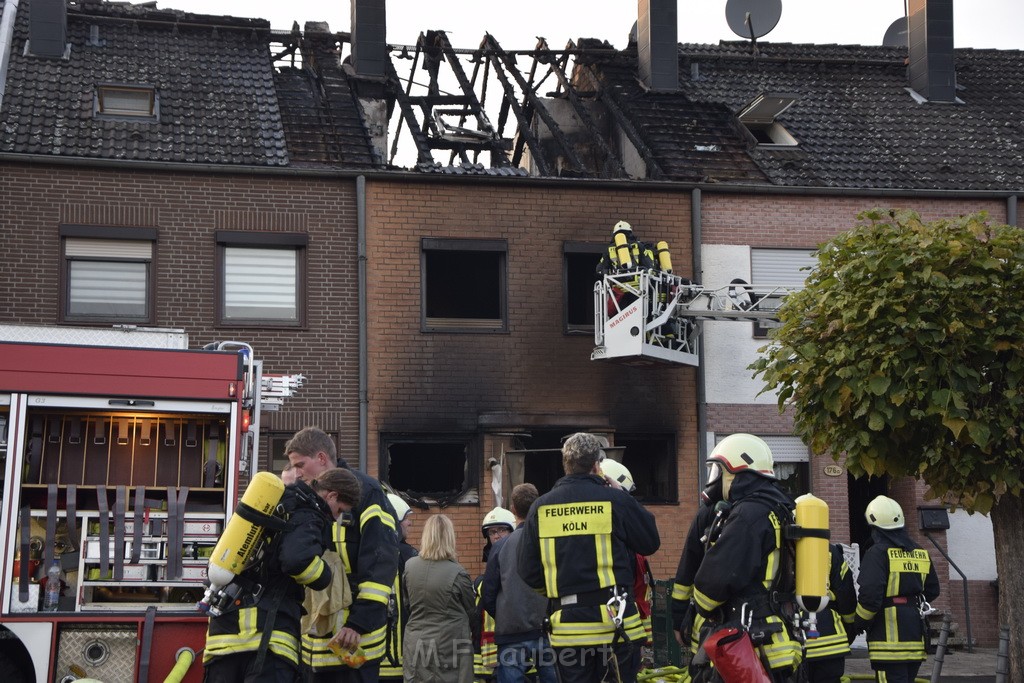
pixel 183 660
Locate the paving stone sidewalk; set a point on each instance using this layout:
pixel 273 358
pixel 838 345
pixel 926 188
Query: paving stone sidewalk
pixel 958 666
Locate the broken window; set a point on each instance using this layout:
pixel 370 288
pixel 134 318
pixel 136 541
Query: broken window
pixel 437 469
pixel 651 459
pixel 464 285
pixel 580 273
pixel 124 101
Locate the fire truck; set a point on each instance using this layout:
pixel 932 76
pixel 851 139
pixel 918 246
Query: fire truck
pixel 123 453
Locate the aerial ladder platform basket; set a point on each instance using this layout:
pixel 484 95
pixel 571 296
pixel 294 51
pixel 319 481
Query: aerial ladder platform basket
pixel 647 316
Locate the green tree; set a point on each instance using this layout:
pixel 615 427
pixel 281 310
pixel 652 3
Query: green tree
pixel 905 355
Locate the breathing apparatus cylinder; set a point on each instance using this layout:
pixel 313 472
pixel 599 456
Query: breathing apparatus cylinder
pixel 240 540
pixel 622 245
pixel 664 257
pixel 812 553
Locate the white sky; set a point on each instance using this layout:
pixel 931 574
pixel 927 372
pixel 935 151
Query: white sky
pixel 517 23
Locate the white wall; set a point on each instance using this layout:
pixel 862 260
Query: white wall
pixel 729 346
pixel 971 546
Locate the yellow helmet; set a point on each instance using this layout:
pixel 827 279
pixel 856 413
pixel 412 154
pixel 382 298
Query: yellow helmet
pixel 744 453
pixel 401 507
pixel 498 517
pixel 884 513
pixel 617 471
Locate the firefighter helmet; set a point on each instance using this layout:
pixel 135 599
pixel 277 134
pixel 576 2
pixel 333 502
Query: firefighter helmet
pixel 744 453
pixel 401 507
pixel 884 513
pixel 622 225
pixel 617 471
pixel 498 517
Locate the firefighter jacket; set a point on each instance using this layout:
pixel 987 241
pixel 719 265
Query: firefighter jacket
pixel 689 563
pixel 579 547
pixel 398 614
pixel 485 650
pixel 842 602
pixel 895 575
pixel 368 546
pixel 742 566
pixel 290 564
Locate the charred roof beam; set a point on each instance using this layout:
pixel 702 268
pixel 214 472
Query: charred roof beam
pixel 558 69
pixel 605 95
pixel 498 56
pixel 419 138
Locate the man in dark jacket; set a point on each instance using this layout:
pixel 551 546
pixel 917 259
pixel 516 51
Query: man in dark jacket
pixel 897 581
pixel 579 545
pixel 736 579
pixel 369 550
pixel 398 608
pixel 519 611
pixel 258 641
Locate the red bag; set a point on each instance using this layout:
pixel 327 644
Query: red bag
pixel 732 652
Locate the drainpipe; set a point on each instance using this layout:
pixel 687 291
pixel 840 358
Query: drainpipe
pixel 361 286
pixel 6 42
pixel 1011 209
pixel 702 410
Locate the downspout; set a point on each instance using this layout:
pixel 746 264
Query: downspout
pixel 1011 210
pixel 6 43
pixel 697 238
pixel 361 286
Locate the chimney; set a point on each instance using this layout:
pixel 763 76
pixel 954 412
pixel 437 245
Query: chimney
pixel 48 27
pixel 930 37
pixel 369 38
pixel 657 45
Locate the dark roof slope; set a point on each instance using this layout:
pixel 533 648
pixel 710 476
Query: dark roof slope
pixel 855 121
pixel 216 88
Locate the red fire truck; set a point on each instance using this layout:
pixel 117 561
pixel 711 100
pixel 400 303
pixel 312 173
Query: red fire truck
pixel 121 465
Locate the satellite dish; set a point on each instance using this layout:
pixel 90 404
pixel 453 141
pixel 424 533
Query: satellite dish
pixel 752 18
pixel 896 34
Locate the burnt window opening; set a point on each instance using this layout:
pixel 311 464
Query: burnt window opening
pixel 580 272
pixel 437 470
pixel 464 285
pixel 651 459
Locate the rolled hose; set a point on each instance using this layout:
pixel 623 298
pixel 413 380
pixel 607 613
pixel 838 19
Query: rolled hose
pixel 183 661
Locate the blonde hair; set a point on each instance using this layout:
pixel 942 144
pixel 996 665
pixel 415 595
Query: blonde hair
pixel 438 541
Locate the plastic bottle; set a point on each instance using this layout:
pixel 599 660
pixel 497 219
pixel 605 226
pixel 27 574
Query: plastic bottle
pixel 51 598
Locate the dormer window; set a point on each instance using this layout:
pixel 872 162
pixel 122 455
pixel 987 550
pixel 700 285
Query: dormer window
pixel 759 117
pixel 127 102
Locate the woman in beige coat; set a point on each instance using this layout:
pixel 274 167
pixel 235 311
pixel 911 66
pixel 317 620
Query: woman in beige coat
pixel 438 645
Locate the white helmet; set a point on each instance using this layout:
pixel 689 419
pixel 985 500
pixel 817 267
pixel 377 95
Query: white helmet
pixel 401 507
pixel 623 226
pixel 884 513
pixel 744 453
pixel 614 469
pixel 498 517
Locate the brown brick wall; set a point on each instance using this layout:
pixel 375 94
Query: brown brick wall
pixel 983 598
pixel 186 209
pixel 445 381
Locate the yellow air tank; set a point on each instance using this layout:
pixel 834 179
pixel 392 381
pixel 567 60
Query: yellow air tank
pixel 664 257
pixel 241 537
pixel 622 247
pixel 812 554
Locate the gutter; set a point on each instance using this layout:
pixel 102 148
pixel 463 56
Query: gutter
pixel 697 237
pixel 6 43
pixel 464 179
pixel 361 287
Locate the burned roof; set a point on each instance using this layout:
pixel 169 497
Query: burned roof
pixel 212 79
pixel 854 121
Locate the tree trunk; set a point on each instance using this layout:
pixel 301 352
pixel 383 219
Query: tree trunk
pixel 1007 519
